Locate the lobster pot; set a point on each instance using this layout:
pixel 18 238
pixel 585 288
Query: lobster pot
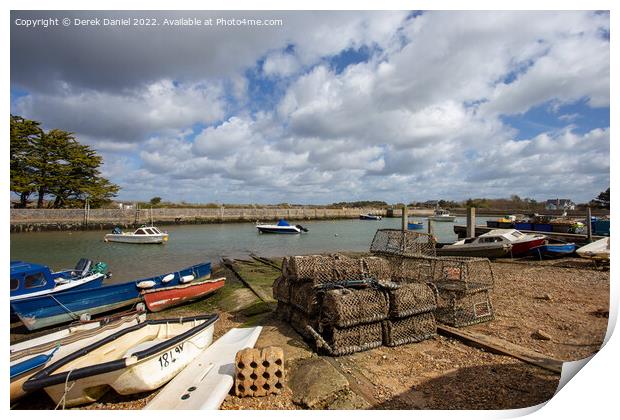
pixel 283 311
pixel 377 268
pixel 317 269
pixel 411 299
pixel 411 329
pixel 462 273
pixel 462 308
pixel 300 321
pixel 403 243
pixel 349 307
pixel 411 269
pixel 353 339
pixel 281 290
pixel 303 296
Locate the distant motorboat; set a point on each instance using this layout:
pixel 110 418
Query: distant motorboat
pixel 142 235
pixel 441 215
pixel 282 227
pixel 597 250
pixel 369 216
pixel 415 225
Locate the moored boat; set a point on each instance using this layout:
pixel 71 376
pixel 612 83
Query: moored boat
pixel 142 235
pixel 30 280
pixel 554 250
pixel 206 381
pixel 167 297
pixel 283 227
pixel 136 359
pixel 29 357
pixel 441 215
pixel 490 247
pixel 415 225
pixel 42 311
pixel 521 242
pixel 369 216
pixel 597 250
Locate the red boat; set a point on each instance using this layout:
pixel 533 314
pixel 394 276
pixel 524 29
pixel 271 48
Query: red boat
pixel 160 299
pixel 521 242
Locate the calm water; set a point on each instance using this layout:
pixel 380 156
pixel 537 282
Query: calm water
pixel 191 244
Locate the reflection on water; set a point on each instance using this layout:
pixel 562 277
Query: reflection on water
pixel 192 244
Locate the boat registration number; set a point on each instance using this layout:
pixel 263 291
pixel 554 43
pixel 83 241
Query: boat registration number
pixel 170 356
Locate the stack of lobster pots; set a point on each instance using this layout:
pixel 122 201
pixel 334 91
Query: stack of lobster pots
pixel 344 304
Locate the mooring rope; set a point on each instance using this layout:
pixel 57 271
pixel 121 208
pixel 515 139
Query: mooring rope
pixel 63 399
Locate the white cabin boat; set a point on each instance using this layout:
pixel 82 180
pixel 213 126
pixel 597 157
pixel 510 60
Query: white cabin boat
pixel 283 227
pixel 441 215
pixel 137 359
pixel 142 235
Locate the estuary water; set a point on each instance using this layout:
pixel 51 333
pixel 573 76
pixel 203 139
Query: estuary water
pixel 192 244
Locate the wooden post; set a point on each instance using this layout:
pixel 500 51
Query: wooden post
pixel 404 226
pixel 589 224
pixel 430 226
pixel 471 222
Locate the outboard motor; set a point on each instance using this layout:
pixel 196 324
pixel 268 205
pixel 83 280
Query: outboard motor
pixel 82 267
pixel 300 227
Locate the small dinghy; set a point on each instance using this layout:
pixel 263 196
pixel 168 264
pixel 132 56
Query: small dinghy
pixel 136 359
pixel 159 299
pixel 415 225
pixel 29 357
pixel 555 250
pixel 597 250
pixel 205 383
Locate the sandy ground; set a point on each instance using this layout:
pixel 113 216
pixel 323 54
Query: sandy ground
pixel 568 305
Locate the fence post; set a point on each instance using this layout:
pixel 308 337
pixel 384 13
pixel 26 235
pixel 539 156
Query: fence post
pixel 589 224
pixel 404 215
pixel 471 222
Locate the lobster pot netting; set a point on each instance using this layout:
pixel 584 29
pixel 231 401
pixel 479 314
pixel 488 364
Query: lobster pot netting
pixel 321 269
pixel 304 297
pixel 411 299
pixel 283 311
pixel 462 273
pixel 460 309
pixel 348 307
pixel 349 340
pixel 300 323
pixel 281 290
pixel 411 269
pixel 412 329
pixel 405 244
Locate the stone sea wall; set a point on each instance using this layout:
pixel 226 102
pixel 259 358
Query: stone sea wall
pixel 32 220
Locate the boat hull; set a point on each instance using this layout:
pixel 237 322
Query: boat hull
pixel 415 226
pixel 160 299
pixel 442 218
pixel 278 230
pixel 44 311
pixel 70 340
pixel 473 251
pixel 137 371
pixel 554 251
pixel 136 239
pixel 522 248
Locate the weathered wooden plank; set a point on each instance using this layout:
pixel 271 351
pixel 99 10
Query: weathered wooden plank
pixel 231 266
pixel 500 346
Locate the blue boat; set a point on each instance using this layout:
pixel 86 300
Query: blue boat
pixel 554 250
pixel 415 225
pixel 46 310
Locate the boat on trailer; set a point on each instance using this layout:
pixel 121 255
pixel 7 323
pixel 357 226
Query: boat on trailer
pixel 30 356
pixel 43 311
pixel 369 216
pixel 166 297
pixel 142 235
pixel 136 359
pixel 282 227
pixel 205 383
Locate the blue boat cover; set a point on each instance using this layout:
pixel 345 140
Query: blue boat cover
pixel 283 222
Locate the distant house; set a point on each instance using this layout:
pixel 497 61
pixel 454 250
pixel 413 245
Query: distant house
pixel 560 204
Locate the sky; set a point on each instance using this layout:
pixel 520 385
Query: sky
pixel 328 106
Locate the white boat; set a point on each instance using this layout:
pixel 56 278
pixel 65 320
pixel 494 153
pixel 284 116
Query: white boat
pixel 369 216
pixel 142 235
pixel 30 356
pixel 283 227
pixel 136 359
pixel 204 384
pixel 441 215
pixel 597 250
pixel 521 242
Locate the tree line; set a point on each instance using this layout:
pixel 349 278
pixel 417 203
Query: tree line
pixel 53 166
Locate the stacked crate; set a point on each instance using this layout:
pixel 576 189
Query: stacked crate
pixel 345 304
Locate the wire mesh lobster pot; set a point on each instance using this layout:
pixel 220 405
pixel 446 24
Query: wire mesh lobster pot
pixel 403 243
pixel 340 341
pixel 411 299
pixel 300 322
pixel 281 289
pixel 349 307
pixel 304 297
pixel 320 269
pixel 462 273
pixel 464 307
pixel 411 269
pixel 411 329
pixel 283 311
